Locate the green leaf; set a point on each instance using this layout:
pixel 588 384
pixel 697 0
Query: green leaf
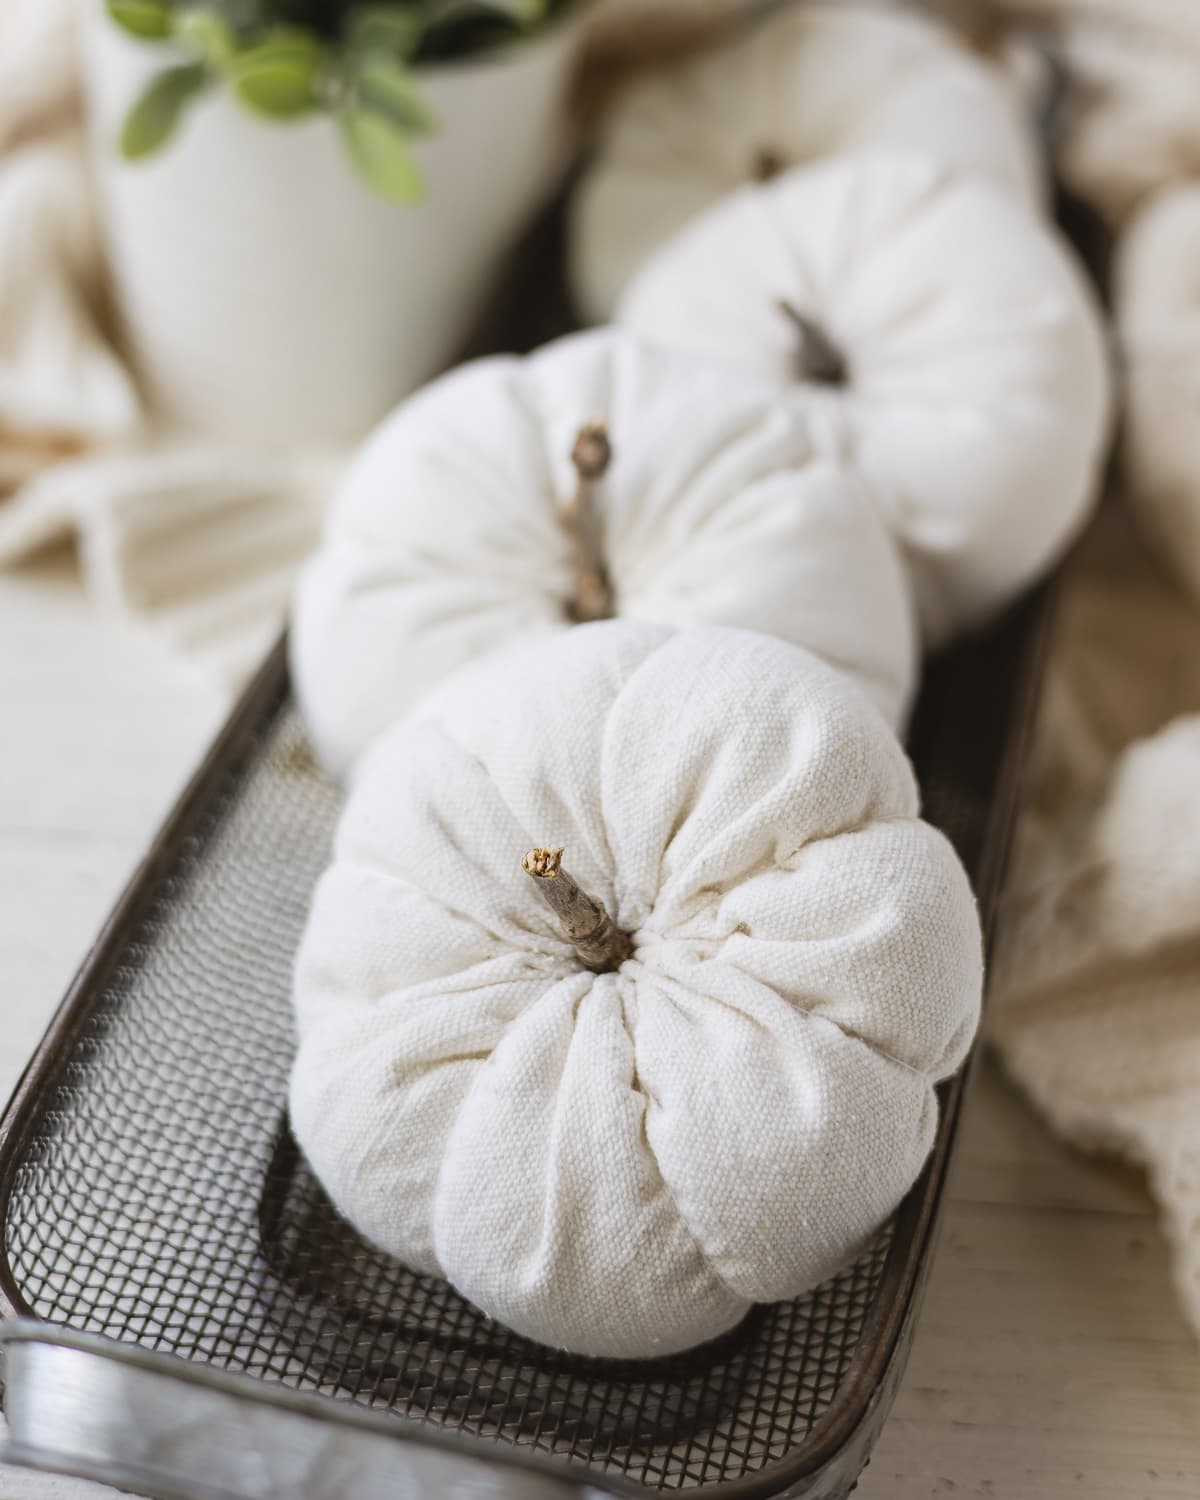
pixel 208 33
pixel 150 19
pixel 391 89
pixel 280 75
pixel 384 29
pixel 156 113
pixel 380 151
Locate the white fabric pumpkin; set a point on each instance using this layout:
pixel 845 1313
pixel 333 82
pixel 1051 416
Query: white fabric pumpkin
pixel 805 83
pixel 1157 296
pixel 976 393
pixel 620 1163
pixel 447 539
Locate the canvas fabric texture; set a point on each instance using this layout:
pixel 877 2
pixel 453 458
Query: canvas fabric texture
pixel 621 1164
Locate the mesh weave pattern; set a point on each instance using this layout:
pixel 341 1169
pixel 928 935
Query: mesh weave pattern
pixel 164 1202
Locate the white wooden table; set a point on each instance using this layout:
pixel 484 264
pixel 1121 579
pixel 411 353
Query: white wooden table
pixel 1051 1362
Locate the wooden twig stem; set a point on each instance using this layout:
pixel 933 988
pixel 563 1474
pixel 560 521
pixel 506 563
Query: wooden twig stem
pixel 591 456
pixel 766 164
pixel 585 922
pixel 820 359
pixel 978 23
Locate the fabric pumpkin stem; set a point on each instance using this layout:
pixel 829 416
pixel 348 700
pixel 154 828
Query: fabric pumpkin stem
pixel 820 360
pixel 767 164
pixel 591 457
pixel 585 922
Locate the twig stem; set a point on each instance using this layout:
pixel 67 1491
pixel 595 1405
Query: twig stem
pixel 585 922
pixel 820 359
pixel 766 164
pixel 591 456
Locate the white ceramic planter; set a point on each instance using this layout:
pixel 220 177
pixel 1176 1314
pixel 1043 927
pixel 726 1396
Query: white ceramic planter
pixel 267 295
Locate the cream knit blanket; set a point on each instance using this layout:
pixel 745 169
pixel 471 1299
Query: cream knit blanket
pixel 1096 993
pixel 200 544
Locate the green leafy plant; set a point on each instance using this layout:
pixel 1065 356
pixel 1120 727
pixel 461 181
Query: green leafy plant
pixel 286 59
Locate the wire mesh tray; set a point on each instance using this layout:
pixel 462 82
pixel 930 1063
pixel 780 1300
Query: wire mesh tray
pixel 150 1191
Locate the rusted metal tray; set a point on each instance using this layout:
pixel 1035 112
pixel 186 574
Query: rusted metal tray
pixel 207 1327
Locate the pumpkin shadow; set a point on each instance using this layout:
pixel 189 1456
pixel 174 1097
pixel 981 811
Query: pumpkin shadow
pixel 364 1324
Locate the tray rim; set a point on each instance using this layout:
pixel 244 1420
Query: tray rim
pixel 897 1297
pixel 274 1395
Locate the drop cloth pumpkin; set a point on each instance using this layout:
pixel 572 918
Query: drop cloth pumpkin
pixel 959 349
pixel 620 1091
pixel 459 527
pixel 803 84
pixel 1157 296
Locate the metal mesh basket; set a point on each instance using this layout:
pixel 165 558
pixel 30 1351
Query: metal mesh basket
pixel 150 1191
